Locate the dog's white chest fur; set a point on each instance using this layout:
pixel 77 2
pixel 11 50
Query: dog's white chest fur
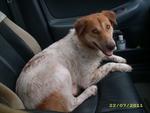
pixel 75 57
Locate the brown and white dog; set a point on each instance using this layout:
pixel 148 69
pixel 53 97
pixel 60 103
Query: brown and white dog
pixel 52 78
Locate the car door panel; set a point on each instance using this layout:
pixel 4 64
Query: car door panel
pixel 74 8
pixel 62 15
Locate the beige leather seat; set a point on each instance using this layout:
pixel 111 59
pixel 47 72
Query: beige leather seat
pixel 16 48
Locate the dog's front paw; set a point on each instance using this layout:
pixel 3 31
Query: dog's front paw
pixel 121 60
pixel 126 68
pixel 93 90
pixel 117 59
pixel 122 67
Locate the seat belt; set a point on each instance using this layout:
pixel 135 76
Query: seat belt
pixel 17 17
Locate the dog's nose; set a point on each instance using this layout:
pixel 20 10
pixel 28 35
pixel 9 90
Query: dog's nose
pixel 111 46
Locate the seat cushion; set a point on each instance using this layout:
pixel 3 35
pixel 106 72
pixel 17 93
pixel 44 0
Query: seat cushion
pixel 117 88
pixel 16 48
pixel 19 39
pixel 11 64
pixel 9 98
pixel 18 44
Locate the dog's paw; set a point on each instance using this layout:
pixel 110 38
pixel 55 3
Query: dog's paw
pixel 122 67
pixel 126 68
pixel 93 90
pixel 121 60
pixel 117 59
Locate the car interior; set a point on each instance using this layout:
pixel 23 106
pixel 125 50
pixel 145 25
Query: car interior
pixel 29 26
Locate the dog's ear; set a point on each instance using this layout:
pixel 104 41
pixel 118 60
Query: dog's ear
pixel 111 16
pixel 80 26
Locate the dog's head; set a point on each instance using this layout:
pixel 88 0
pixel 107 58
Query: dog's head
pixel 96 31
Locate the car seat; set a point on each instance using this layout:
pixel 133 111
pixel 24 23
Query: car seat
pixel 17 47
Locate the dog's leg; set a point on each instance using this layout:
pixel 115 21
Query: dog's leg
pixel 115 58
pixel 65 101
pixel 75 89
pixel 61 98
pixel 74 102
pixel 101 72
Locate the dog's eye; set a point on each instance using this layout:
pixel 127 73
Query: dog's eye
pixel 107 26
pixel 95 31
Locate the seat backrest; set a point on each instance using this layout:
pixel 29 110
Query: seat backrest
pixel 16 48
pixel 17 37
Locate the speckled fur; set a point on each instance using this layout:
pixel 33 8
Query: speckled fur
pixel 60 70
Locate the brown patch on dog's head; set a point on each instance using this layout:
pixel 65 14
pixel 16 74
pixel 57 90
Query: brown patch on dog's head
pixel 111 16
pixel 80 26
pixel 96 31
